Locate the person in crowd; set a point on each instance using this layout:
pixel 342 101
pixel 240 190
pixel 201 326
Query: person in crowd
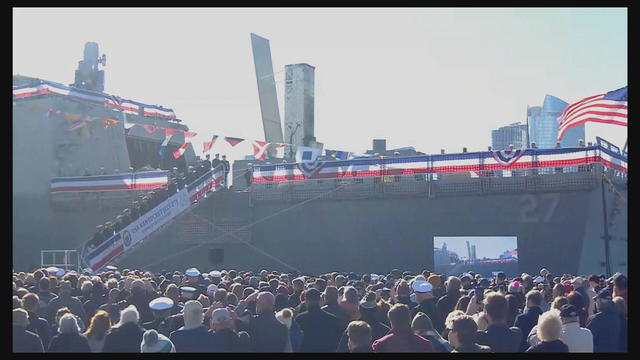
pixel 96 298
pixel 426 301
pixel 401 338
pixel 330 297
pixel 37 325
pixel 154 342
pixel 224 336
pixel 248 174
pixel 69 339
pixel 514 309
pixel 216 161
pixel 45 296
pixel 549 332
pixel 593 283
pixel 126 335
pixel 422 325
pixel 266 333
pixel 577 338
pixel 99 327
pixel 576 299
pixel 359 334
pixel 350 302
pixel 463 335
pixel 113 305
pixel 320 328
pixel 24 340
pixel 161 310
pixel 498 336
pixel 227 168
pixel 369 310
pixel 65 299
pixel 447 303
pixel 298 287
pixel 207 162
pixel 140 300
pixel 294 341
pixel 620 287
pixel 529 318
pixel 605 325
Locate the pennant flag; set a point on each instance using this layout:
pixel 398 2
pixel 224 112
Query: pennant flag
pixel 169 132
pixel 609 108
pixel 109 122
pixel 209 144
pixel 189 134
pixel 233 141
pixel 180 151
pixel 307 154
pixel 167 136
pixel 337 155
pixel 150 129
pixel 260 149
pixel 72 117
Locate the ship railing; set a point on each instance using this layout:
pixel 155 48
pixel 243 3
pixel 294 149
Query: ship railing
pixel 437 175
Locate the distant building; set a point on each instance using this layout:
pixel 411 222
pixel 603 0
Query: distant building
pixel 513 134
pixel 543 124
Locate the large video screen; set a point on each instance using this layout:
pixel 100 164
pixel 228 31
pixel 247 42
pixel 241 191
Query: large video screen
pixel 485 255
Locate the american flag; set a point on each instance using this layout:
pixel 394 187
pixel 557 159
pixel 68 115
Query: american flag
pixel 609 108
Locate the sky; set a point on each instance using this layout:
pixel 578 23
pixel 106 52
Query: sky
pixel 432 78
pixel 486 246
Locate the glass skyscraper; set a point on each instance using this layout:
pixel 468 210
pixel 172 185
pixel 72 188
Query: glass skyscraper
pixel 513 134
pixel 543 125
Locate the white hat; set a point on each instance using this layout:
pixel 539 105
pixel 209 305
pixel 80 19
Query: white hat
pixel 60 272
pixel 215 274
pixel 538 280
pixel 111 268
pixel 192 272
pixel 161 303
pixel 420 278
pixel 375 277
pixel 188 289
pixel 52 270
pixel 422 286
pixel 212 288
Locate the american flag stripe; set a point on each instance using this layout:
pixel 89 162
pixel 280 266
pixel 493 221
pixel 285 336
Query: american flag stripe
pixel 609 108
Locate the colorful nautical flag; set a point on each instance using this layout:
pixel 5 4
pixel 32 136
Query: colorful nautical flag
pixel 609 108
pixel 209 144
pixel 233 141
pixel 337 155
pixel 260 149
pixel 307 154
pixel 168 133
pixel 180 151
pixel 109 122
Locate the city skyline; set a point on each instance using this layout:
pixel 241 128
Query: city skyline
pixel 490 247
pixel 416 82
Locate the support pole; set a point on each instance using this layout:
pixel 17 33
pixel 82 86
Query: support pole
pixel 606 228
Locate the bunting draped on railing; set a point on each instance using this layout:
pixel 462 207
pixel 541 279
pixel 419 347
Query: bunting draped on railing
pixel 127 181
pixel 110 101
pixel 447 163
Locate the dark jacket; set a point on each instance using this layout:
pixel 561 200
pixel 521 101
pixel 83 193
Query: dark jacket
pixel 501 338
pixel 198 339
pixel 267 333
pixel 445 305
pixel 321 330
pixel 294 299
pixel 92 305
pixel 69 343
pixel 40 326
pixel 69 301
pixel 525 322
pixel 430 308
pixel 125 338
pixel 26 341
pixel 555 346
pixel 362 349
pixel 402 341
pixel 472 349
pixel 141 301
pixel 226 340
pixel 378 330
pixel 606 329
pixel 339 312
pixel 163 326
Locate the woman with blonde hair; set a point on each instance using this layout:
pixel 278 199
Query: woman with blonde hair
pixel 549 332
pixel 98 328
pixel 350 302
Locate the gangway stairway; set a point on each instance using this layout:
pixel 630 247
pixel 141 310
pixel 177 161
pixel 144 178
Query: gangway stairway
pixel 151 222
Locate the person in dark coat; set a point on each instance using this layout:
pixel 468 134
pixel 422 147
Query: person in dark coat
pixel 126 336
pixel 332 307
pixel 65 299
pixel 368 309
pixel 463 335
pixel 37 325
pixel 321 329
pixel 23 340
pixel 605 325
pixel 498 336
pixel 224 336
pixel 140 299
pixel 161 309
pixel 96 299
pixel 227 168
pixel 359 334
pixel 266 333
pixel 427 302
pixel 447 303
pixel 527 320
pixel 69 340
pixel 549 330
pixel 401 338
pixel 193 336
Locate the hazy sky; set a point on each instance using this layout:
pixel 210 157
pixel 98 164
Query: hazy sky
pixel 428 78
pixel 486 246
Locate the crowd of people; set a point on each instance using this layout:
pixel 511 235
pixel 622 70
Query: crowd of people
pixel 242 311
pixel 144 202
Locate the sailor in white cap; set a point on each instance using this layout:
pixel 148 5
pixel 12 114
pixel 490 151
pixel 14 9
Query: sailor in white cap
pixel 161 310
pixel 211 289
pixel 194 280
pixel 111 268
pixel 60 273
pixel 216 277
pixel 52 270
pixel 188 293
pixel 425 299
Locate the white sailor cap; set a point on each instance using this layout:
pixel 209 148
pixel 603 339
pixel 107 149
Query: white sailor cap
pixel 52 270
pixel 111 267
pixel 215 274
pixel 87 271
pixel 192 272
pixel 538 280
pixel 60 272
pixel 375 277
pixel 161 303
pixel 420 278
pixel 422 286
pixel 212 288
pixel 188 289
